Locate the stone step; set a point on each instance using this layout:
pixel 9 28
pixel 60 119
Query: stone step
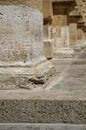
pixel 42 106
pixel 42 127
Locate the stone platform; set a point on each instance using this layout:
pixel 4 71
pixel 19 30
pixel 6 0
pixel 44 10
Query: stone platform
pixel 43 106
pixel 42 127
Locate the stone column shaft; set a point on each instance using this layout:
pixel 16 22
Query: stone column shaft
pixel 22 58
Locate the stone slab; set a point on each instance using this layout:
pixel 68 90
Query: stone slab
pixel 23 126
pixel 43 106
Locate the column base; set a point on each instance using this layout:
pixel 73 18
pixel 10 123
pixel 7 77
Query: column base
pixel 81 44
pixel 48 48
pixel 64 53
pixel 15 77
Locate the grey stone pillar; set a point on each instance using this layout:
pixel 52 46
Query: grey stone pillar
pixel 21 45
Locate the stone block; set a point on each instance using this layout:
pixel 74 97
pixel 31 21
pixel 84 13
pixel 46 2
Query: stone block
pixel 48 49
pixel 53 106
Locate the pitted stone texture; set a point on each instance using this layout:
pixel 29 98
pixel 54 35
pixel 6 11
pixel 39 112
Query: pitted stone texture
pixel 22 62
pixel 34 3
pixel 21 34
pixel 21 108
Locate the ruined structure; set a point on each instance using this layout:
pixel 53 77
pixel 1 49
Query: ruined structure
pixel 66 29
pixel 42 67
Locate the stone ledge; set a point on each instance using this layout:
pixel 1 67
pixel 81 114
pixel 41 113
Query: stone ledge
pixel 17 106
pixel 22 126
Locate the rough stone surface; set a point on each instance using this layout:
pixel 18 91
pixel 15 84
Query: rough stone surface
pixel 34 3
pixel 25 76
pixel 42 127
pixel 65 102
pixel 42 107
pixel 21 47
pixel 21 34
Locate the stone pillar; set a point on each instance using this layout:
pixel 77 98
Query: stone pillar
pixel 21 43
pixel 84 31
pixel 80 30
pixel 48 42
pixel 61 10
pixel 80 33
pixel 60 31
pixel 65 36
pixel 81 4
pixel 47 15
pixel 74 18
pixel 47 8
pixel 73 33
